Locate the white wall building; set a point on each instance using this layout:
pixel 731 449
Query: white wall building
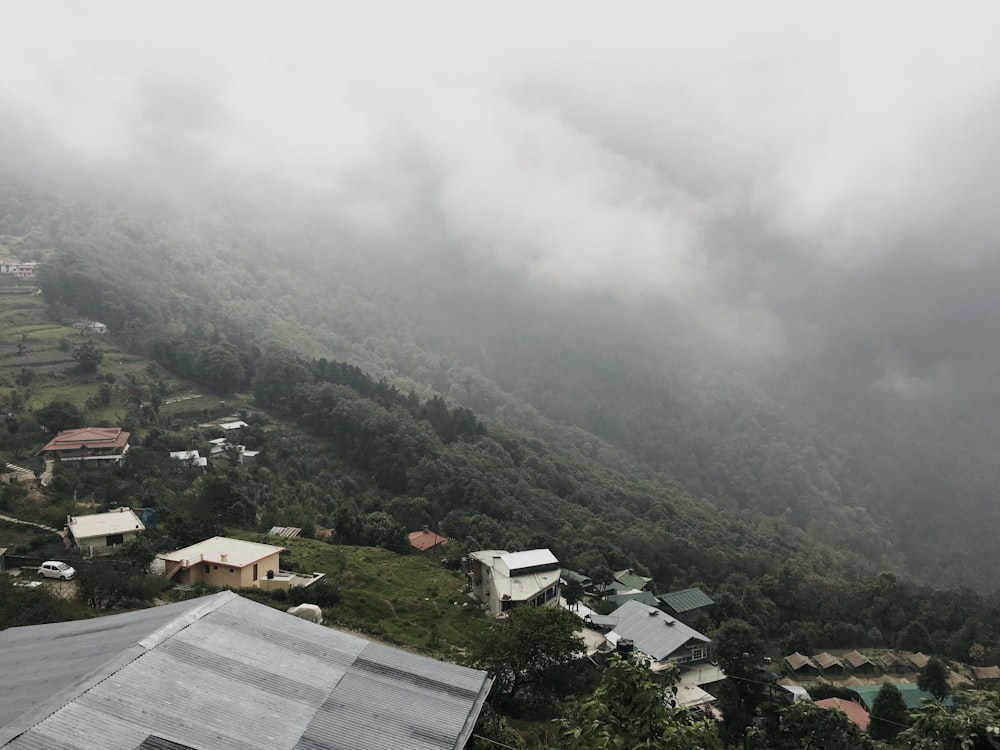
pixel 97 533
pixel 503 580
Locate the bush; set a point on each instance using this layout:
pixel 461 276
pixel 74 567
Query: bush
pixel 321 593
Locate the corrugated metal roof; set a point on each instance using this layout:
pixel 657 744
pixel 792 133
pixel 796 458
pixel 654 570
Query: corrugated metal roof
pixel 653 632
pixel 231 673
pixel 631 579
pixel 288 532
pixel 912 695
pixel 528 559
pixel 686 600
pixel 638 596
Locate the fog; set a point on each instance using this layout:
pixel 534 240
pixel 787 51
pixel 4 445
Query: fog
pixel 788 175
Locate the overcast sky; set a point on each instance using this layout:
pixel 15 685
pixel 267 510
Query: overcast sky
pixel 752 159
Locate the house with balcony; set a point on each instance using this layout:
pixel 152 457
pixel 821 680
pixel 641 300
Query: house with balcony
pixel 88 444
pixel 501 580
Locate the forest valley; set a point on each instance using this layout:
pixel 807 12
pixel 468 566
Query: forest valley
pixel 371 452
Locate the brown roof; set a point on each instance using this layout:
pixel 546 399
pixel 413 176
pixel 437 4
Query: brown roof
pixel 855 711
pixel 889 660
pixel 425 540
pixel 827 660
pixel 919 660
pixel 797 661
pixel 88 437
pixel 856 659
pixel 986 673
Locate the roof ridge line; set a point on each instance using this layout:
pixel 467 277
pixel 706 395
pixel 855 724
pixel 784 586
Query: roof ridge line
pixel 111 667
pixel 185 620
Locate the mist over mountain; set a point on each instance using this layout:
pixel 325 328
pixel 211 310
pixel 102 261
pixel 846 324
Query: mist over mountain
pixel 750 251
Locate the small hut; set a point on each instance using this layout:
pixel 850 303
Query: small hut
pixel 801 665
pixel 892 663
pixel 859 663
pixel 830 664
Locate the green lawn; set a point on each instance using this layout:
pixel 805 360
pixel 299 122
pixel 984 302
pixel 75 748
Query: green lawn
pixel 408 600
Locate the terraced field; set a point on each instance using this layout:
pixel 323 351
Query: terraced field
pixel 36 358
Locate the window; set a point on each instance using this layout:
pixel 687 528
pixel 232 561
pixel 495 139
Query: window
pixel 114 539
pixel 206 567
pixel 255 571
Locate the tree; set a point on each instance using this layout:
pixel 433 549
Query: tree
pixel 573 592
pixel 219 368
pixel 631 709
pixel 739 650
pixel 806 726
pixel 524 655
pixel 58 416
pixel 934 678
pixel 889 714
pixel 88 357
pixel 971 725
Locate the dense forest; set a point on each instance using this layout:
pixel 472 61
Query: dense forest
pixel 808 440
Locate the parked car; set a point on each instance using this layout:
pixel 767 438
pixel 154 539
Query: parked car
pixel 56 569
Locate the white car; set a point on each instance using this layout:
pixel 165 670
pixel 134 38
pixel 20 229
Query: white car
pixel 56 569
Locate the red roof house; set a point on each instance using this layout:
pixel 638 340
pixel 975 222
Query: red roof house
pixel 88 444
pixel 855 711
pixel 426 539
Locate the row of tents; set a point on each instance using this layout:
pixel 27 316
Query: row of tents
pixel 855 662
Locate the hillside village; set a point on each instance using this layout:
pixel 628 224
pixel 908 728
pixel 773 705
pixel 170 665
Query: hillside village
pixel 190 443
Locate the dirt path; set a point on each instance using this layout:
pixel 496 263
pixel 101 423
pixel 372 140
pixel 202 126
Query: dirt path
pixel 31 523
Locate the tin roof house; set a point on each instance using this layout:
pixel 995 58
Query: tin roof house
pixel 225 673
pixel 502 580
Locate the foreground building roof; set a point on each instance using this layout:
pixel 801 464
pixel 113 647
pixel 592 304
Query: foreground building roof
pixel 222 673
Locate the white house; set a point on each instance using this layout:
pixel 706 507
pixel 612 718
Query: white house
pixel 97 533
pixel 503 580
pixel 194 458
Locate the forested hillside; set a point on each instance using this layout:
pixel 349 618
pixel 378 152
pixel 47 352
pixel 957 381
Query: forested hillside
pixel 630 387
pixel 209 310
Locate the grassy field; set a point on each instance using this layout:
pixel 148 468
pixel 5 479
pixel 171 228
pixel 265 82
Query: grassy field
pixel 407 600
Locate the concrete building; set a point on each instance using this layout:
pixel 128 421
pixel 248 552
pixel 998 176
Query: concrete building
pixel 224 562
pixel 98 533
pixel 503 580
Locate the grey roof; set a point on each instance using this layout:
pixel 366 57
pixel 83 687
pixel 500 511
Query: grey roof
pixel 224 672
pixel 655 633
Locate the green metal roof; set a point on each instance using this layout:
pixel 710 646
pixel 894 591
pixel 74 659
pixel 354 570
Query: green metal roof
pixel 913 696
pixel 686 600
pixel 642 596
pixel 572 575
pixel 631 580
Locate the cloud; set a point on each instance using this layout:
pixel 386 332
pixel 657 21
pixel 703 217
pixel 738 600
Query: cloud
pixel 730 159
